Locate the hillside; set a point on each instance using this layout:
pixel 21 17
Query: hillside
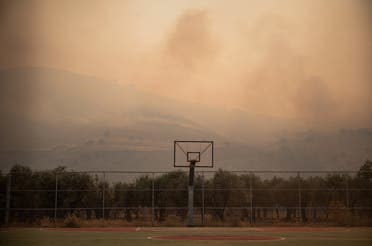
pixel 52 117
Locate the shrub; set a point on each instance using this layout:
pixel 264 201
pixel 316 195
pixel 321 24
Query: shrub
pixel 46 222
pixel 71 221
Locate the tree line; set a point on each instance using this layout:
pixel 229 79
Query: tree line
pixel 220 197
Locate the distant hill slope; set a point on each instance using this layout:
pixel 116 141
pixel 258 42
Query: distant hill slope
pixel 53 108
pixel 52 117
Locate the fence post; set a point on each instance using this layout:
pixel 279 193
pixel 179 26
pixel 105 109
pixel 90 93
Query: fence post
pixel 299 198
pixel 347 193
pixel 8 190
pixel 251 197
pixel 203 198
pixel 56 201
pixel 103 198
pixel 153 200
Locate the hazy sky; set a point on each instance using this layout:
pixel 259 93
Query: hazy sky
pixel 309 61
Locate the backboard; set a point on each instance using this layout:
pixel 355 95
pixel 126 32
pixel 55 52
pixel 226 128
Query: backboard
pixel 198 152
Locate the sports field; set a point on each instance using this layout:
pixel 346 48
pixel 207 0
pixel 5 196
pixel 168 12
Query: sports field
pixel 302 236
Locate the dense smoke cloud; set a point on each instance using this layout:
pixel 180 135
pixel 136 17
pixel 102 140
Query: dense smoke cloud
pixel 314 99
pixel 307 61
pixel 190 44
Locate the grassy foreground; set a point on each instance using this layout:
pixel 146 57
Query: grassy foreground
pixel 41 237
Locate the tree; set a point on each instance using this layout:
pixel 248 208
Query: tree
pixel 220 194
pixel 365 172
pixel 171 191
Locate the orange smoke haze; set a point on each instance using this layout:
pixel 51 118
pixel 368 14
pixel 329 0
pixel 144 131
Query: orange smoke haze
pixel 308 61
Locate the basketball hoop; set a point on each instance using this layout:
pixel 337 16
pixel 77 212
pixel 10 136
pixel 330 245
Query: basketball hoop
pixel 193 154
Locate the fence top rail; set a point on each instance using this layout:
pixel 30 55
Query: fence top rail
pixel 196 171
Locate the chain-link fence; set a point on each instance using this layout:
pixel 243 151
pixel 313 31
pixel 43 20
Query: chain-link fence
pixel 221 198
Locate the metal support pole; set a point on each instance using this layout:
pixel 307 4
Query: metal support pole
pixel 190 205
pixel 56 201
pixel 251 197
pixel 203 199
pixel 299 198
pixel 103 199
pixel 190 211
pixel 153 200
pixel 8 191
